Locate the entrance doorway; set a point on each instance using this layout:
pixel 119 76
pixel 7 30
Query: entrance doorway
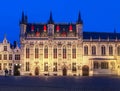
pixel 64 71
pixel 37 71
pixel 85 70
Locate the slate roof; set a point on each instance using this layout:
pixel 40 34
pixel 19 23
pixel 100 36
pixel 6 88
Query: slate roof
pixel 39 27
pixel 101 35
pixel 65 28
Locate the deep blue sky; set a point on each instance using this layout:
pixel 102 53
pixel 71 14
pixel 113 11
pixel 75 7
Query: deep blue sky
pixel 97 15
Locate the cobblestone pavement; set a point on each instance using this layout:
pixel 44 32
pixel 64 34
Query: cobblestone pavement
pixel 32 83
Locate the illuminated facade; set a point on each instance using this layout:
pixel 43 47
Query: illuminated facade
pixel 64 49
pixel 9 56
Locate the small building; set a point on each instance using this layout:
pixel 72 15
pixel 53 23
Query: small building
pixel 9 57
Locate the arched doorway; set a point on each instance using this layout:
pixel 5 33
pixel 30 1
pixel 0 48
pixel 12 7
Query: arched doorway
pixel 37 71
pixel 85 70
pixel 64 71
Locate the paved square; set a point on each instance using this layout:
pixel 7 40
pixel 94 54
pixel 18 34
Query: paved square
pixel 32 83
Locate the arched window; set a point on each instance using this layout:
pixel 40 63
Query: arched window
pixel 73 52
pixel 103 50
pixel 64 52
pixel 93 50
pixel 118 50
pixel 36 53
pixel 86 50
pixel 46 52
pixel 96 65
pixel 27 53
pixel 27 66
pixel 110 50
pixel 55 52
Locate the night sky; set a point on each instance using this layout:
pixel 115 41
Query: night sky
pixel 97 15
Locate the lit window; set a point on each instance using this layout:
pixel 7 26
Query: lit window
pixel 55 66
pixel 46 52
pixel 27 66
pixel 4 66
pixel 36 53
pixel 93 50
pixel 10 56
pixel 46 66
pixel 74 53
pixel 103 51
pixel 64 53
pixel 74 67
pixel 96 65
pixel 17 57
pixel 0 56
pixel 27 52
pixel 0 66
pixel 55 53
pixel 110 50
pixel 104 65
pixel 85 50
pixel 118 50
pixel 5 48
pixel 5 56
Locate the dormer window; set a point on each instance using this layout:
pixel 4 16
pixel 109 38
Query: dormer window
pixel 57 28
pixel 5 48
pixel 45 28
pixel 32 28
pixel 70 28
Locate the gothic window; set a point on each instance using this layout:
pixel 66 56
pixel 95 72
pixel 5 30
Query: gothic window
pixel 93 50
pixel 64 52
pixel 10 56
pixel 36 53
pixel 5 56
pixel 0 56
pixel 118 50
pixel 96 65
pixel 74 67
pixel 27 53
pixel 104 65
pixel 5 48
pixel 46 52
pixel 86 50
pixel 73 52
pixel 0 66
pixel 103 50
pixel 45 66
pixel 110 50
pixel 17 56
pixel 27 66
pixel 55 53
pixel 55 66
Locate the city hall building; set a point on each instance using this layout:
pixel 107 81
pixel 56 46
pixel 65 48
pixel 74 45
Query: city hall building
pixel 64 49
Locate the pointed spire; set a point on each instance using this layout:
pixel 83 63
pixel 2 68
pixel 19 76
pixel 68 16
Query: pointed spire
pixel 50 21
pixel 24 18
pixel 79 21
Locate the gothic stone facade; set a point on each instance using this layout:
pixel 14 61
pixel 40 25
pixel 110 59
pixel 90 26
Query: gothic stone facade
pixel 65 49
